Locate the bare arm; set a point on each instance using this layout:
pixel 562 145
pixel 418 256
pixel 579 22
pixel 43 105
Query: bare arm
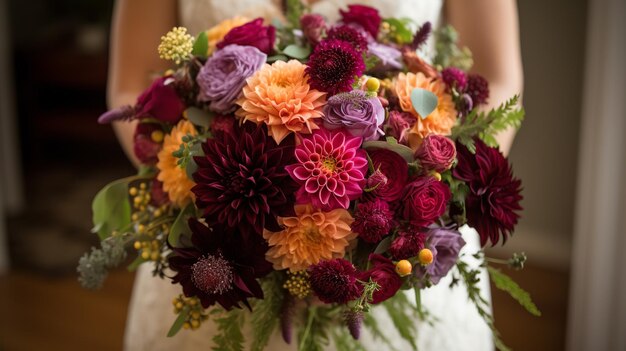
pixel 136 31
pixel 490 29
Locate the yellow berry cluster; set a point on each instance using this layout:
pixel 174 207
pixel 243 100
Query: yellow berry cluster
pixel 149 223
pixel 196 314
pixel 298 284
pixel 176 45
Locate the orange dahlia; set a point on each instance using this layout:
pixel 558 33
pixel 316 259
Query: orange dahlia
pixel 440 121
pixel 309 237
pixel 175 181
pixel 280 96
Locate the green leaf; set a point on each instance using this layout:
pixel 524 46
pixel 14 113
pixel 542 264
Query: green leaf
pixel 180 227
pixel 297 52
pixel 267 311
pixel 397 307
pixel 383 246
pixel 135 264
pixel 400 31
pixel 111 208
pixel 294 9
pixel 505 283
pixel 400 149
pixel 275 58
pixel 201 45
pixel 199 117
pixel 178 323
pixel 424 102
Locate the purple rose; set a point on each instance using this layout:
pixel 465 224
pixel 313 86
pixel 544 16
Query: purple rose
pixel 399 125
pixel 160 101
pixel 313 27
pixel 359 114
pixel 437 153
pixel 253 33
pixel 424 200
pixel 224 74
pixel 445 245
pixel 365 16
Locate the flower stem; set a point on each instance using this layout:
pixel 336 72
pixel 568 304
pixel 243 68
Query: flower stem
pixel 309 324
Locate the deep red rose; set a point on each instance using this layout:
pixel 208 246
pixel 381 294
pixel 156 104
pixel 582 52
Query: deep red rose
pixel 365 16
pixel 394 168
pixel 253 33
pixel 424 200
pixel 383 272
pixel 313 27
pixel 160 101
pixel 437 153
pixel 494 198
pixel 144 148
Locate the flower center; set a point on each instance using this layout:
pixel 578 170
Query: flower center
pixel 212 274
pixel 329 164
pixel 312 234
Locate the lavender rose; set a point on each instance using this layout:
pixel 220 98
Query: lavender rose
pixel 358 113
pixel 445 245
pixel 390 57
pixel 224 74
pixel 437 153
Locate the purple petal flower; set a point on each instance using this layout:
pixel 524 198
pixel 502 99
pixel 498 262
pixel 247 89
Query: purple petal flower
pixel 389 56
pixel 358 113
pixel 224 74
pixel 445 245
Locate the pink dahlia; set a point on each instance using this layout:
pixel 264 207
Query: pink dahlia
pixel 333 66
pixel 331 169
pixel 372 220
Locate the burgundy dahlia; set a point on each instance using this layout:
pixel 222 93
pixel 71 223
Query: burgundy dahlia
pixel 383 272
pixel 494 197
pixel 477 89
pixel 372 220
pixel 335 281
pixel 221 267
pixel 454 78
pixel 364 16
pixel 424 200
pixel 241 179
pixel 407 244
pixel 396 171
pixel 350 35
pixel 333 66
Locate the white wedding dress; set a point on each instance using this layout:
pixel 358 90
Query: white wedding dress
pixel 459 326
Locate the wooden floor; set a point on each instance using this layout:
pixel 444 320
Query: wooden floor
pixel 39 313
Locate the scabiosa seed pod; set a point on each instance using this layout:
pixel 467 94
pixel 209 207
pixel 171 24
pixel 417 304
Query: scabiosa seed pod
pixel 454 78
pixel 350 35
pixel 333 66
pixel 353 320
pixel 478 89
pixel 335 281
pixel 372 220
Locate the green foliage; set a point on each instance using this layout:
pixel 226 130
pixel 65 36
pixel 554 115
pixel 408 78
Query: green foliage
pixel 400 149
pixel 471 279
pixel 267 311
pixel 487 125
pixel 201 45
pixel 180 226
pixel 371 61
pixel 401 311
pixel 111 208
pixel 294 10
pixel 362 304
pixel 400 30
pixel 372 324
pixel 344 341
pixel 297 52
pixel 199 117
pixel 448 53
pixel 424 102
pixel 314 337
pixel 275 58
pixel 229 325
pixel 93 267
pixel 505 283
pixel 459 191
pixel 183 315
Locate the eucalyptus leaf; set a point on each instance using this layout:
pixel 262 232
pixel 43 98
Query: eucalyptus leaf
pixel 191 167
pixel 180 227
pixel 297 52
pixel 383 246
pixel 424 102
pixel 201 45
pixel 199 117
pixel 111 208
pixel 400 149
pixel 178 323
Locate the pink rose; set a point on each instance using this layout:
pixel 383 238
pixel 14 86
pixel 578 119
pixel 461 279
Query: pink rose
pixel 437 153
pixel 383 272
pixel 399 125
pixel 364 16
pixel 313 27
pixel 253 33
pixel 160 101
pixel 424 200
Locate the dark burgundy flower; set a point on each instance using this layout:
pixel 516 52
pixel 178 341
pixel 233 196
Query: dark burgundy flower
pixel 421 35
pixel 313 27
pixel 396 171
pixel 333 66
pixel 383 272
pixel 158 197
pixel 353 320
pixel 477 89
pixel 445 245
pixel 145 147
pixel 494 197
pixel 424 200
pixel 372 220
pixel 364 16
pixel 222 266
pixel 222 124
pixel 335 281
pixel 407 244
pixel 253 33
pixel 241 179
pixel 160 101
pixel 454 78
pixel 349 35
pixel 437 153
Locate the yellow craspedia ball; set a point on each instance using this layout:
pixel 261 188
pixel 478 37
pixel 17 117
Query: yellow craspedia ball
pixel 157 136
pixel 436 175
pixel 372 84
pixel 425 257
pixel 404 268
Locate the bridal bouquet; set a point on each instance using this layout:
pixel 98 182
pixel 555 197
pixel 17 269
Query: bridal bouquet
pixel 306 171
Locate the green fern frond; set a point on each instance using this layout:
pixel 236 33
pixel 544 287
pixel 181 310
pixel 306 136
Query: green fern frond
pixel 267 311
pixel 397 308
pixel 372 325
pixel 505 283
pixel 229 324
